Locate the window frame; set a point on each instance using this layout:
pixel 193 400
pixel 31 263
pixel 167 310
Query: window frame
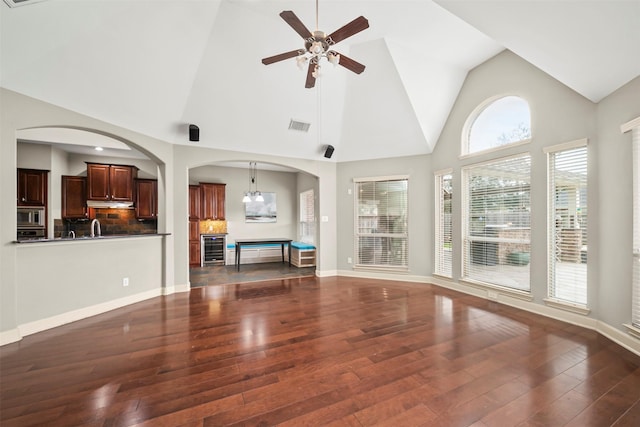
pixel 471 120
pixel 633 328
pixel 357 234
pixel 552 298
pixel 311 225
pixel 440 226
pixel 467 238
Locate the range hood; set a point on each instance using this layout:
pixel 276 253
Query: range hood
pixel 106 205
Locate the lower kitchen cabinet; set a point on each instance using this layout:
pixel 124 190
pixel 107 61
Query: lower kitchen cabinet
pixel 194 243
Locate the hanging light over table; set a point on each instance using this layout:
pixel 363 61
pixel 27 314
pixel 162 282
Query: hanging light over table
pixel 253 195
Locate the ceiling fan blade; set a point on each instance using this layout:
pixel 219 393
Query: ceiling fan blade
pixel 350 64
pixel 295 23
pixel 311 81
pixel 282 56
pixel 353 27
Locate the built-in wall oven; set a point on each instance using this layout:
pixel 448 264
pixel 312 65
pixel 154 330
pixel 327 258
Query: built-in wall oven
pixel 212 249
pixel 30 221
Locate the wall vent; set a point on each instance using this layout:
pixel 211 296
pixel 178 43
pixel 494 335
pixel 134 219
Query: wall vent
pixel 299 126
pixel 14 3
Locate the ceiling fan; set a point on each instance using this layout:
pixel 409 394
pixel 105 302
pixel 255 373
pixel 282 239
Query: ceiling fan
pixel 318 45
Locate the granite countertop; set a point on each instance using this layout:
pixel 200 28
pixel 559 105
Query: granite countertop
pixel 89 239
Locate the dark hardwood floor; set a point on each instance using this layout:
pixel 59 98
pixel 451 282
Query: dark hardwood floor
pixel 318 351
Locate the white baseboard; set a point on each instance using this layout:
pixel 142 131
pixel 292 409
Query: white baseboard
pixel 180 288
pixel 326 273
pixel 75 315
pixel 618 336
pixel 7 337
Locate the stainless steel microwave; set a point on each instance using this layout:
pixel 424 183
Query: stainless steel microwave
pixel 30 218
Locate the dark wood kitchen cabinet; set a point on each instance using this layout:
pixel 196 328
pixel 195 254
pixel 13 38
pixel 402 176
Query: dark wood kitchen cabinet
pixel 194 202
pixel 146 203
pixel 194 226
pixel 32 187
pixel 113 183
pixel 194 243
pixel 212 201
pixel 74 197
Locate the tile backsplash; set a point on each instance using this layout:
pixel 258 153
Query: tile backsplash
pixel 112 222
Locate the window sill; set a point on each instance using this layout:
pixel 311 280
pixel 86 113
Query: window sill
pixel 632 330
pixel 574 308
pixel 498 290
pixel 493 149
pixel 399 270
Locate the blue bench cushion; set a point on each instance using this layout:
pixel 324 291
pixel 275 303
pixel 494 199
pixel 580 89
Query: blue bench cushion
pixel 302 245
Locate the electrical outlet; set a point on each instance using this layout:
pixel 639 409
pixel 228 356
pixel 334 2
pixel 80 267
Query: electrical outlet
pixel 492 295
pixel 349 260
pixel 125 281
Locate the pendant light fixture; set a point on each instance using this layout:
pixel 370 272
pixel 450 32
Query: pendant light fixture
pixel 253 195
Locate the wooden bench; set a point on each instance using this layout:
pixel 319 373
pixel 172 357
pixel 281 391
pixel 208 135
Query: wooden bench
pixel 303 254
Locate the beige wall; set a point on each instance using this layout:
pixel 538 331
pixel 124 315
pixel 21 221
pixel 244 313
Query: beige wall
pixel 558 115
pixel 156 266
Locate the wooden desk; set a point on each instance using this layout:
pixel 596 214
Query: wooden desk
pixel 256 242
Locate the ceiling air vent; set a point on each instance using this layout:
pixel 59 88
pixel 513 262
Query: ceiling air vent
pixel 14 3
pixel 299 126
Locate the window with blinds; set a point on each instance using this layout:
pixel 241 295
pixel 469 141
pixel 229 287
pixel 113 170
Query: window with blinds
pixel 567 222
pixel 497 222
pixel 381 226
pixel 443 242
pixel 307 217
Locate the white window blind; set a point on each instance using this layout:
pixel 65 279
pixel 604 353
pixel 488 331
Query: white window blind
pixel 497 222
pixel 567 250
pixel 635 299
pixel 381 226
pixel 307 217
pixel 443 242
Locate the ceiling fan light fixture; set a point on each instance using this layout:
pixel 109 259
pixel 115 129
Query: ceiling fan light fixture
pixel 333 58
pixel 316 48
pixel 301 61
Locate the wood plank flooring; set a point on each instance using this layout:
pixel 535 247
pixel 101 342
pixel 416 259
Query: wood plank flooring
pixel 318 351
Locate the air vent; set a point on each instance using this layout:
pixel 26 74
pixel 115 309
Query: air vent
pixel 299 126
pixel 14 3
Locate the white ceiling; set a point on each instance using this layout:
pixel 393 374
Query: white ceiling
pixel 156 66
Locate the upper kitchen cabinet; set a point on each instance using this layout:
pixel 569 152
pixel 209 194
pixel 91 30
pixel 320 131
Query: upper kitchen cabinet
pixel 212 201
pixel 146 199
pixel 110 182
pixel 74 197
pixel 194 202
pixel 32 187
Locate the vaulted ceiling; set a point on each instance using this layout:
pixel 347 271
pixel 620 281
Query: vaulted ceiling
pixel 156 66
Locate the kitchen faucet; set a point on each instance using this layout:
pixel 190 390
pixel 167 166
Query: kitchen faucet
pixel 95 224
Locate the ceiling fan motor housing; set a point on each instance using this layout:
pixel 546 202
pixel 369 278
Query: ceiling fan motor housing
pixel 318 40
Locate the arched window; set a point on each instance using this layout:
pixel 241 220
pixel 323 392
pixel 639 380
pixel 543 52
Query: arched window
pixel 496 123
